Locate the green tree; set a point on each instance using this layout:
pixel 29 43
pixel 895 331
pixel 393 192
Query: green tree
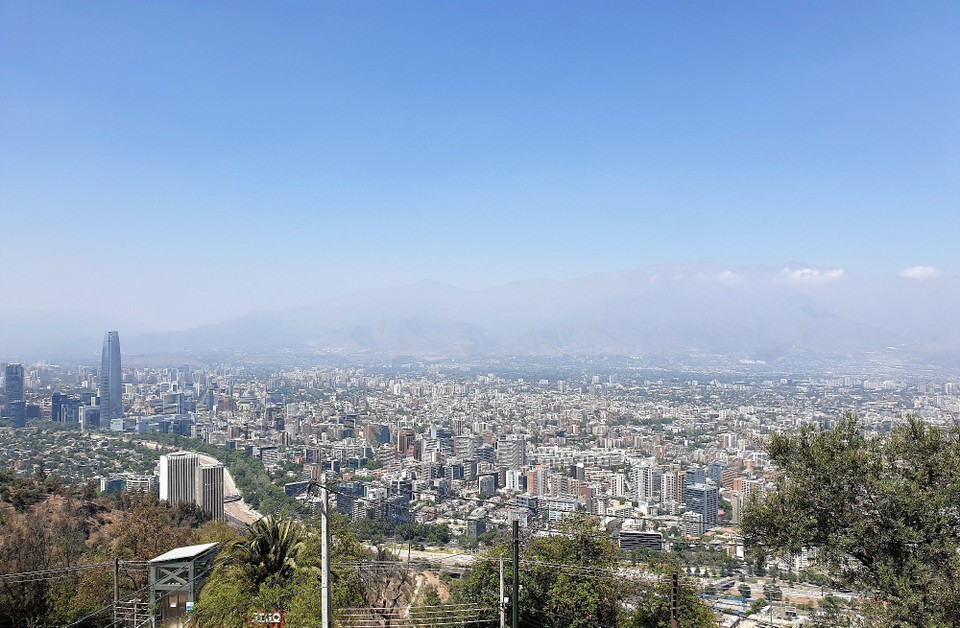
pixel 831 613
pixel 882 512
pixel 558 586
pixel 652 600
pixel 276 566
pixel 758 605
pixel 571 579
pixel 269 550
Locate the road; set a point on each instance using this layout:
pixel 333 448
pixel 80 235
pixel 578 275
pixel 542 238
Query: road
pixel 233 505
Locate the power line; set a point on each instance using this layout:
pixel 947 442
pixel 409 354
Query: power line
pixel 393 608
pixel 399 622
pixel 22 577
pixel 444 615
pixel 142 589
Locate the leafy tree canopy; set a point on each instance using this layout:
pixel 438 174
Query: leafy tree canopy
pixel 883 513
pixel 571 580
pixel 276 566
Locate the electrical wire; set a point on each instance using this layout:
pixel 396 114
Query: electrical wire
pixel 43 575
pixel 197 576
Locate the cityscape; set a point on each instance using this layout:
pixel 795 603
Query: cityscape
pixel 663 459
pixel 479 314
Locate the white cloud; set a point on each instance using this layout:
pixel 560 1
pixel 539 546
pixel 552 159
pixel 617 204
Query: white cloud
pixel 919 273
pixel 812 276
pixel 731 277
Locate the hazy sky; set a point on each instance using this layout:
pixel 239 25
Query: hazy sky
pixel 182 162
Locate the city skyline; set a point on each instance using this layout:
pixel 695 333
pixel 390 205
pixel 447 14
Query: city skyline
pixel 263 158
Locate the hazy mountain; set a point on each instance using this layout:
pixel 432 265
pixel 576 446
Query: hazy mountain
pixel 54 334
pixel 681 309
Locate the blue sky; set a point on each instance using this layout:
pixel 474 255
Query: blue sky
pixel 181 162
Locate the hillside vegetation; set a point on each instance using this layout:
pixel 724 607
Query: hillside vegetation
pixel 48 525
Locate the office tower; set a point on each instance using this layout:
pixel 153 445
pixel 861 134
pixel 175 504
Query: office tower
pixel 64 408
pixel 89 417
pixel 15 406
pixel 209 489
pixel 715 471
pixel 172 402
pixel 178 477
pixel 405 439
pixel 695 475
pixel 704 499
pixel 487 484
pixel 56 402
pixel 110 386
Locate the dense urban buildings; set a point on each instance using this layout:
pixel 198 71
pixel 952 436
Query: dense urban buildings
pixel 663 459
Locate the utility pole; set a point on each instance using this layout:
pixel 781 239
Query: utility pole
pixel 515 599
pixel 675 601
pixel 503 614
pixel 324 554
pixel 116 588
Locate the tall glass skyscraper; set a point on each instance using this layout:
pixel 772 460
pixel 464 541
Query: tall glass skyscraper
pixel 110 386
pixel 14 409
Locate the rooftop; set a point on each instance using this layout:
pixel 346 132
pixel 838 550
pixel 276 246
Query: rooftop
pixel 184 553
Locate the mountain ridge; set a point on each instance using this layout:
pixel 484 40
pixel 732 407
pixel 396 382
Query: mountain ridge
pixel 669 309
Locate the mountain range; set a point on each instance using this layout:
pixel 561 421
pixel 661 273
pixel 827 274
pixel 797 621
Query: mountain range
pixel 754 312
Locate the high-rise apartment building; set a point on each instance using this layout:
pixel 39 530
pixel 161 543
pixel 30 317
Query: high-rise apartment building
pixel 693 523
pixel 178 477
pixel 537 481
pixel 209 489
pixel 704 499
pixel 15 405
pixel 620 486
pixel 110 386
pixel 643 483
pixel 672 486
pixel 512 452
pixel 465 446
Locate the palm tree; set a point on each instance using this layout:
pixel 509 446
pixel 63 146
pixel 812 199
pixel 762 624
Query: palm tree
pixel 269 549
